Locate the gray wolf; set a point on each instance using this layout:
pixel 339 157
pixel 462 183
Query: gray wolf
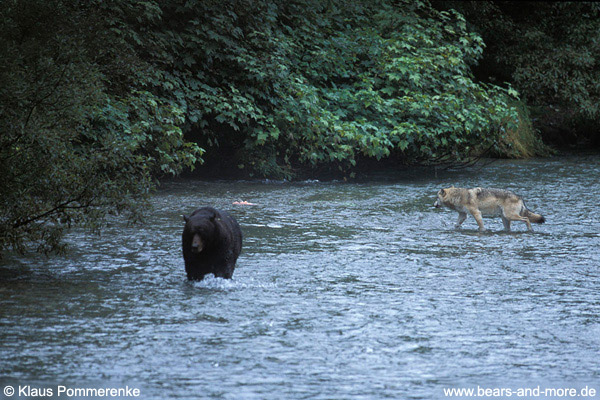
pixel 487 202
pixel 212 242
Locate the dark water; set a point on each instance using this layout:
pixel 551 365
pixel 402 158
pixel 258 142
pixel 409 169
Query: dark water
pixel 342 291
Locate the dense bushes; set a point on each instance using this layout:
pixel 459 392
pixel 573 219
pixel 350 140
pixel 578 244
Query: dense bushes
pixel 73 148
pixel 550 52
pixel 308 83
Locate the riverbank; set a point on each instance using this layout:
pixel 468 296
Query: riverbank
pixel 225 168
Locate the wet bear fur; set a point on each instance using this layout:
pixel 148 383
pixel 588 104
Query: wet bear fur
pixel 212 242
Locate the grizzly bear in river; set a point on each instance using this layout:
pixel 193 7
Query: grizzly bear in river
pixel 212 242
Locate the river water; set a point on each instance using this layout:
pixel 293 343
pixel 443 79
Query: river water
pixel 356 290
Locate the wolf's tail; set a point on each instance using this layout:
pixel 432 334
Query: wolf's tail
pixel 533 217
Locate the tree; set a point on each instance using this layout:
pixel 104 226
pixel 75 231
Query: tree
pixel 72 149
pixel 305 83
pixel 549 51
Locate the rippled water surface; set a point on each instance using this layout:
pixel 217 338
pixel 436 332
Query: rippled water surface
pixel 343 290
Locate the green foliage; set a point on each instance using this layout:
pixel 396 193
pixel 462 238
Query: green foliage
pixel 548 50
pixel 71 149
pixel 307 83
pixel 522 140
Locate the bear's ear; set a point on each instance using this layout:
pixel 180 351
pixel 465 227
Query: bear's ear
pixel 452 187
pixel 185 218
pixel 443 192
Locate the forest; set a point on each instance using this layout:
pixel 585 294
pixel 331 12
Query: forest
pixel 101 99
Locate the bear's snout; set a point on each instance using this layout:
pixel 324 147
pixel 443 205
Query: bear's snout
pixel 197 244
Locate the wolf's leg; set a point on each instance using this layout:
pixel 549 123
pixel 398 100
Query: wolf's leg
pixel 477 215
pixel 517 217
pixel 526 220
pixel 461 218
pixel 506 223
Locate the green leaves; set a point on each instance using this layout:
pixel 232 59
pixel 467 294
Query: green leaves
pixel 83 136
pixel 549 53
pixel 330 84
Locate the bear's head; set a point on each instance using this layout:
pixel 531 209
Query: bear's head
pixel 201 227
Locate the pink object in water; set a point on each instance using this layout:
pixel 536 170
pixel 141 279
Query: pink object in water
pixel 243 203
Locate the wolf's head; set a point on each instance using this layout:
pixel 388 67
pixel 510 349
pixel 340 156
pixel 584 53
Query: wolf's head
pixel 443 197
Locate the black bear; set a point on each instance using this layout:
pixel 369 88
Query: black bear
pixel 212 242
